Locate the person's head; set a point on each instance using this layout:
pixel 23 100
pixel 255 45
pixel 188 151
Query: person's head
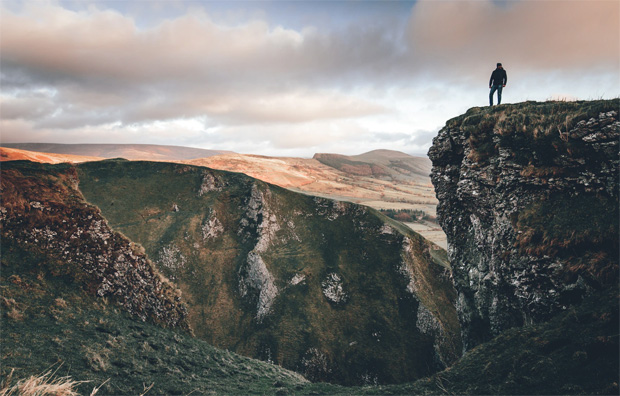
pixel 499 65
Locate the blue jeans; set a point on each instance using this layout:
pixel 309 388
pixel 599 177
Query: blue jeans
pixel 494 88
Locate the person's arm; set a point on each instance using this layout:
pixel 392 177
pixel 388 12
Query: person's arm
pixel 505 78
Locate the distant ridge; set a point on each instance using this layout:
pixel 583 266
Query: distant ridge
pixel 128 151
pixel 383 164
pixel 12 154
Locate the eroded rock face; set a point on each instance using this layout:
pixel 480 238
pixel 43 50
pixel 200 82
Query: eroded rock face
pixel 333 289
pixel 528 198
pixel 329 288
pixel 46 214
pixel 255 274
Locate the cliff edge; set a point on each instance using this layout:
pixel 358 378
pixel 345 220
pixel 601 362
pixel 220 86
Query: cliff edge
pixel 528 198
pixel 43 215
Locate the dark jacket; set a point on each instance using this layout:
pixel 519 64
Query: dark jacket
pixel 498 77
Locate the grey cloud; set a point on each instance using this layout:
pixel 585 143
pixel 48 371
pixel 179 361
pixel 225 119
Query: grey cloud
pixel 73 118
pixel 33 107
pixel 103 49
pixel 107 45
pixel 99 61
pixel 423 138
pixel 537 36
pixel 20 130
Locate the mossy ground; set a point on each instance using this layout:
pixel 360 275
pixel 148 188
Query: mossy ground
pixel 534 132
pixel 48 323
pixel 580 229
pixel 576 352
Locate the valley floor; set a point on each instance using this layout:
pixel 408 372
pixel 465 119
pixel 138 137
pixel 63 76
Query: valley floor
pixel 430 231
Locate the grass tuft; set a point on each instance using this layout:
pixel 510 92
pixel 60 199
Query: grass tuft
pixel 40 385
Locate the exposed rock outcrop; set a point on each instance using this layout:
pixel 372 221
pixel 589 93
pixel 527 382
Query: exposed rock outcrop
pixel 255 275
pixel 43 212
pixel 528 198
pixel 331 289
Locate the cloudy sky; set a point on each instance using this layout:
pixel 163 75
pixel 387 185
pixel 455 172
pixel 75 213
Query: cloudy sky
pixel 289 78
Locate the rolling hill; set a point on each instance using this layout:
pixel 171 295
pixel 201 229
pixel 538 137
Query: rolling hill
pixel 381 164
pixel 150 152
pixel 11 154
pixel 401 182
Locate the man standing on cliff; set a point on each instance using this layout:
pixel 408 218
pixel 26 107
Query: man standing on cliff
pixel 496 83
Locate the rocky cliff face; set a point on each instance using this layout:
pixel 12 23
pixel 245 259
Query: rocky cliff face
pixel 43 213
pixel 528 198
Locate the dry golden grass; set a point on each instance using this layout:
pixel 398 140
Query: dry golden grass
pixel 44 384
pixel 15 314
pixel 11 154
pixel 12 308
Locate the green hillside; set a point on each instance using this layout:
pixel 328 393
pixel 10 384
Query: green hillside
pixel 329 289
pixel 332 290
pixel 81 300
pixel 50 324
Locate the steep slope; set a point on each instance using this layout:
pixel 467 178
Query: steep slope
pixel 528 197
pixel 42 212
pixel 575 353
pixel 330 289
pixel 414 192
pixel 49 323
pixel 152 152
